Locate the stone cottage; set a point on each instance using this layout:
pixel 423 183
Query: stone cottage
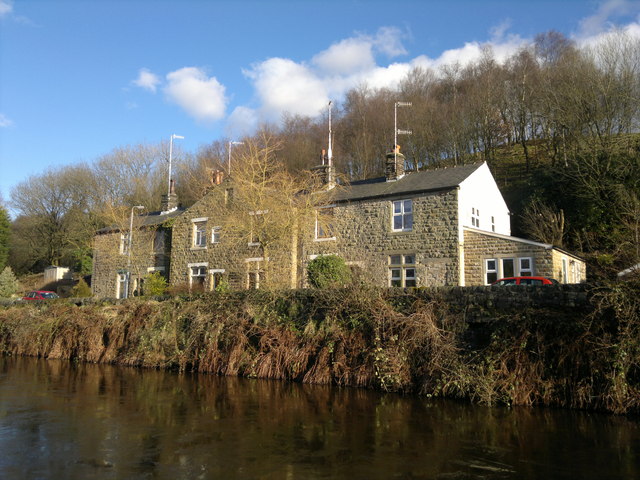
pixel 122 257
pixel 440 227
pixel 432 228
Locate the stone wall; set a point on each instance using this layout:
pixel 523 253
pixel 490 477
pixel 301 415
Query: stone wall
pixel 108 260
pixel 231 259
pixel 364 237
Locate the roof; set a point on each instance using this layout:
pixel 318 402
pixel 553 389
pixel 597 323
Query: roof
pixel 148 220
pixel 414 182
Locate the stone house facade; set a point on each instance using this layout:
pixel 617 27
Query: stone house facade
pixel 445 227
pixel 433 228
pixel 122 257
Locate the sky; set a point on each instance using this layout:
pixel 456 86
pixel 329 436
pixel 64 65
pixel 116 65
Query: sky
pixel 79 78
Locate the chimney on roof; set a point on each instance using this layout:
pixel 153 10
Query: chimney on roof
pixel 394 169
pixel 170 200
pixel 217 177
pixel 324 172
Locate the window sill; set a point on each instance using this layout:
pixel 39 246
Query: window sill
pixel 254 244
pixel 327 239
pixel 407 230
pixel 198 248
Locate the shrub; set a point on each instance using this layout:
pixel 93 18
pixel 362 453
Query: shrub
pixel 328 271
pixel 154 285
pixel 8 283
pixel 81 289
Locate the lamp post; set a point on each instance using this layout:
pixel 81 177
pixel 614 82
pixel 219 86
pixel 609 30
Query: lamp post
pixel 138 207
pixel 170 157
pixel 231 143
pixel 397 132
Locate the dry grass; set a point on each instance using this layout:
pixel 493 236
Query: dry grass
pixel 404 342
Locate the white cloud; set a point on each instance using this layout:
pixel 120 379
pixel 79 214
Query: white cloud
pixel 200 96
pixel 345 57
pixel 6 7
pixel 600 21
pixel 242 121
pixel 283 85
pixel 147 80
pixel 5 121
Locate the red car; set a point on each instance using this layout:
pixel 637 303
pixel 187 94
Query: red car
pixel 40 295
pixel 526 281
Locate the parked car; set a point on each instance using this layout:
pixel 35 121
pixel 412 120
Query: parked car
pixel 526 281
pixel 40 295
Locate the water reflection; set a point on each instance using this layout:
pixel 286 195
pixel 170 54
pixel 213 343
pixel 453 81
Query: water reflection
pixel 59 420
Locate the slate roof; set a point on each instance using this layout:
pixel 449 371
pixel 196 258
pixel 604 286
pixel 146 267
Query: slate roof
pixel 411 183
pixel 150 219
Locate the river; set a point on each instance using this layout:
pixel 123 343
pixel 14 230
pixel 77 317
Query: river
pixel 60 420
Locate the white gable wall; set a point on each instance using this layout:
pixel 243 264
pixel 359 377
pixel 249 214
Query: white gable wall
pixel 479 193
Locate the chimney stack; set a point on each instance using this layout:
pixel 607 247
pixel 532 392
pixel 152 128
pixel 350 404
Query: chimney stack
pixel 324 172
pixel 170 200
pixel 394 164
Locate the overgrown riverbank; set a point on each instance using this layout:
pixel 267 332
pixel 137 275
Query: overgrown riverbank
pixel 395 341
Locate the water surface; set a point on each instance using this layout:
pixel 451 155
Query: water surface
pixel 60 420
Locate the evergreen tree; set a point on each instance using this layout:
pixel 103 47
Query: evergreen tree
pixel 8 283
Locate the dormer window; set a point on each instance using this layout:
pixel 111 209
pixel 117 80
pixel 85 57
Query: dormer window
pixel 402 216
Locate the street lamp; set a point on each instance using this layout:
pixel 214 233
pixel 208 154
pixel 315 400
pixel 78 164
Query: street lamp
pixel 136 207
pixel 397 132
pixel 170 155
pixel 229 162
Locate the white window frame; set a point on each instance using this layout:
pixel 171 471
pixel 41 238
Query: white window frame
pixel 212 277
pixel 191 266
pixel 257 273
pixel 251 242
pixel 402 214
pixel 502 269
pixel 330 227
pixel 199 233
pixel 403 271
pixel 122 285
pixel 124 243
pixel 215 234
pixel 527 272
pixel 488 270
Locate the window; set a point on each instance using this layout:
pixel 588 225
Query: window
pixel 324 224
pixel 199 233
pixel 257 225
pixel 228 195
pixel 493 224
pixel 402 216
pixel 526 266
pixel 490 271
pixel 475 217
pixel 159 241
pixel 197 275
pixel 121 286
pixel 402 271
pixel 565 271
pixel 216 278
pixel 215 234
pixel 508 267
pixel 255 273
pixel 124 243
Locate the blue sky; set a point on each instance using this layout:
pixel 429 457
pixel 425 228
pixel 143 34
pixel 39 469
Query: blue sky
pixel 79 78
